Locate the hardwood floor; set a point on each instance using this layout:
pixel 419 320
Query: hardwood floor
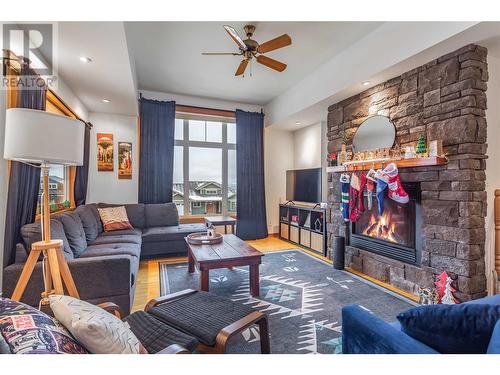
pixel 148 278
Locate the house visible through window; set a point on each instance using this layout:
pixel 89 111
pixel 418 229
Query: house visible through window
pixel 57 187
pixel 204 165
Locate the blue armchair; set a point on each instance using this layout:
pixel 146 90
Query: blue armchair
pixel 364 333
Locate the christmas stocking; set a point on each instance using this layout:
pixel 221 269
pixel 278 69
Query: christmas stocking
pixel 396 191
pixel 344 195
pixel 370 187
pixel 382 180
pixel 356 203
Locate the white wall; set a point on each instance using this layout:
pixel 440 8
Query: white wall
pixel 105 186
pixel 278 157
pixel 3 179
pixel 307 147
pixel 492 169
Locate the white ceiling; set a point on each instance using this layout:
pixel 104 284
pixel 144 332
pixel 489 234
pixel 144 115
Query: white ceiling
pixel 109 75
pixel 168 56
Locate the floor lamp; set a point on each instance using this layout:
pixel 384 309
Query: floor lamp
pixel 40 138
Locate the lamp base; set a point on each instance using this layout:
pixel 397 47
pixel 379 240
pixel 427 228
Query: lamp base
pixel 55 268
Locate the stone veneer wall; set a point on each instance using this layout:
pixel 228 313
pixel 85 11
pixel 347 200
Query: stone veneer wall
pixel 444 99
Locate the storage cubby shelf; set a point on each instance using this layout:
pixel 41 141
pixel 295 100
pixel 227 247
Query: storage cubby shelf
pixel 303 232
pixel 401 163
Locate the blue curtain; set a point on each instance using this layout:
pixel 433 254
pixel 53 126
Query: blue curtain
pixel 156 163
pixel 251 207
pixel 24 180
pixel 82 171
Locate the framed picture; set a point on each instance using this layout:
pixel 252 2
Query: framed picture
pixel 124 160
pixel 105 152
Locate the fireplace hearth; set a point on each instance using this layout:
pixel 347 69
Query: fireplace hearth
pixel 395 233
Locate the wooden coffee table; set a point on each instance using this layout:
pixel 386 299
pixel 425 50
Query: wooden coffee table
pixel 222 220
pixel 231 252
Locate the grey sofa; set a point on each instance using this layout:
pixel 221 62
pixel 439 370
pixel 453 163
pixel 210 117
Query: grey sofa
pixel 104 265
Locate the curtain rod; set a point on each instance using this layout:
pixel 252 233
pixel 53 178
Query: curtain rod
pixel 204 110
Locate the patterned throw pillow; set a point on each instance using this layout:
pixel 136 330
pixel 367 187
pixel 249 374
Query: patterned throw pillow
pixel 114 218
pixel 27 330
pixel 100 331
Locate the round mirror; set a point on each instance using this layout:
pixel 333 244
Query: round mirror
pixel 374 132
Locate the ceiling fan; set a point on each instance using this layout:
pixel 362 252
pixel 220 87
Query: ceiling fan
pixel 250 49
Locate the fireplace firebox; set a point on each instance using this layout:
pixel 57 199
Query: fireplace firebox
pixel 395 233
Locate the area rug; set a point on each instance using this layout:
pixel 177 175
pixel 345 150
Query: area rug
pixel 302 295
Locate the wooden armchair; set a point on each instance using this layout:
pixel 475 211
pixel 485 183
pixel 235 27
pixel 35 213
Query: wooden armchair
pixel 213 331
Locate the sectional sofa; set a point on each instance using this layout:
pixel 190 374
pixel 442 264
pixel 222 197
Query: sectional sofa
pixel 104 265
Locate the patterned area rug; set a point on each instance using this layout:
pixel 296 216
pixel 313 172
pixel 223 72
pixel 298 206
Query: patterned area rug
pixel 302 295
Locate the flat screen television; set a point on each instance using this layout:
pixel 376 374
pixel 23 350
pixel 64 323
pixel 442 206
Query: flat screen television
pixel 304 185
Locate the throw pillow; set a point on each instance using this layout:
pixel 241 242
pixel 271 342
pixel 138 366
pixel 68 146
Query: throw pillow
pixel 27 330
pixel 100 331
pixel 452 329
pixel 114 218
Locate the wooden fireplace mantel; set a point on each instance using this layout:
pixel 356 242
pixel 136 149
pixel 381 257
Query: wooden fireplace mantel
pixel 401 163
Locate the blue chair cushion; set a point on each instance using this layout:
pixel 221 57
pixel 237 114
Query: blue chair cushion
pixel 494 346
pixel 452 329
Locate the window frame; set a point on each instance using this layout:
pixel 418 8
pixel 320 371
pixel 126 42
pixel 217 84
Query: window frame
pixel 185 143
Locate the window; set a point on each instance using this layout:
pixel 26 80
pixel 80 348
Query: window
pixel 204 166
pixel 58 187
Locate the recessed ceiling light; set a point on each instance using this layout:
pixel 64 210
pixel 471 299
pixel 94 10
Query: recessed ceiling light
pixel 297 122
pixel 366 83
pixel 106 101
pixel 85 59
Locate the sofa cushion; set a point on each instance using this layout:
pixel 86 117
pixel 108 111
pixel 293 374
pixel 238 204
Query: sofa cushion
pixel 135 232
pixel 27 330
pixel 93 209
pixel 89 222
pixel 172 233
pixel 494 345
pixel 452 329
pixel 120 238
pixel 75 233
pixel 135 213
pixel 160 215
pixel 131 249
pixel 97 329
pixel 32 233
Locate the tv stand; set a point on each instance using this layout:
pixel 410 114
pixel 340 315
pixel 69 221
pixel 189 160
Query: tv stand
pixel 304 226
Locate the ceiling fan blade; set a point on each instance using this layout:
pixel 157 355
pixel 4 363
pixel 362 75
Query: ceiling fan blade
pixel 220 53
pixel 234 36
pixel 241 68
pixel 279 42
pixel 271 63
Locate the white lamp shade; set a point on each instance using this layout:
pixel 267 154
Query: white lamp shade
pixel 41 137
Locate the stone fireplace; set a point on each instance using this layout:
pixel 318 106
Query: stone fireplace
pixel 444 228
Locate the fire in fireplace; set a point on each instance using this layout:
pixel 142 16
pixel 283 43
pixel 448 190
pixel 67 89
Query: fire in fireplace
pixel 381 227
pixel 395 233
